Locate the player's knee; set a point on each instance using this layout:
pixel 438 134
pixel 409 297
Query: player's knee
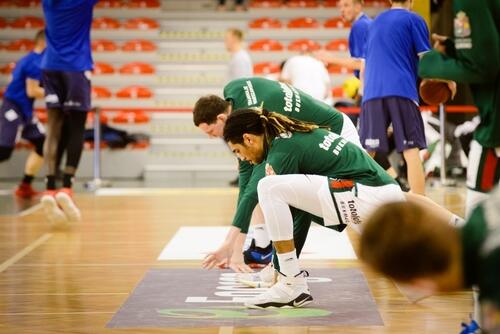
pixel 265 186
pixel 38 143
pixel 5 153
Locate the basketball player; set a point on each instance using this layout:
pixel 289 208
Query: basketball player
pixel 396 39
pixel 66 67
pixel 312 170
pixel 473 57
pixel 413 246
pixel 17 111
pixel 210 114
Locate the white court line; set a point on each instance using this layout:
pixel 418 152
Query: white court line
pixel 226 330
pixel 30 210
pixel 25 251
pixel 56 313
pixel 162 191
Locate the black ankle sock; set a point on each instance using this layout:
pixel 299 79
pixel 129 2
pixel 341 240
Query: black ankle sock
pixel 50 182
pixel 67 180
pixel 27 179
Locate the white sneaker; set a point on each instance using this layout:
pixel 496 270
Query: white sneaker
pixel 52 211
pixel 263 279
pixel 288 292
pixel 68 206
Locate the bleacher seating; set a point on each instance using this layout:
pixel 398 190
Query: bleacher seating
pixel 134 92
pixel 265 23
pixel 20 45
pixel 337 45
pixel 105 23
pixel 302 4
pixel 101 45
pixel 8 68
pixel 137 68
pixel 139 45
pixel 303 45
pixel 336 22
pixel 100 92
pixel 303 22
pixel 103 68
pixel 141 23
pixel 266 45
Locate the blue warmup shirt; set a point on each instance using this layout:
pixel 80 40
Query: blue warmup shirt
pixel 68 25
pixel 357 37
pixel 28 67
pixel 395 39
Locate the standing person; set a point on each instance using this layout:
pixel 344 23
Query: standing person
pixel 239 7
pixel 309 75
pixel 66 67
pixel 240 65
pixel 473 57
pixel 413 246
pixel 352 12
pixel 17 111
pixel 396 40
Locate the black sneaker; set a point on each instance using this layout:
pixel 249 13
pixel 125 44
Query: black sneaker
pixel 258 255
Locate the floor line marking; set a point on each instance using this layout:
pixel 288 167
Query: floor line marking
pixel 226 330
pixel 30 210
pixel 25 251
pixel 56 313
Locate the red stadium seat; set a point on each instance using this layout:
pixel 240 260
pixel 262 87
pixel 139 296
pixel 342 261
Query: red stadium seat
pixel 266 45
pixel 3 23
pixel 103 118
pixel 304 45
pixel 143 4
pixel 265 23
pixel 335 69
pixel 137 68
pixel 8 68
pixel 27 3
pixel 141 23
pixel 109 4
pixel 303 22
pixel 100 45
pixel 20 45
pixel 105 23
pixel 336 22
pixel 129 117
pixel 139 46
pixel 103 68
pixel 266 4
pixel 134 92
pixel 302 4
pixel 338 91
pixel 2 90
pixel 337 45
pixel 330 3
pixel 100 92
pixel 28 22
pixel 266 68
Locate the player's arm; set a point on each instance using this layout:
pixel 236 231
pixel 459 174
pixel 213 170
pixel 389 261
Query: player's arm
pixel 349 63
pixel 245 170
pixel 476 61
pixel 33 89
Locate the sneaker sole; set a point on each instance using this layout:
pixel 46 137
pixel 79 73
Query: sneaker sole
pixel 52 211
pixel 301 301
pixel 69 208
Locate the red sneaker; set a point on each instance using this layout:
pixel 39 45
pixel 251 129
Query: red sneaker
pixel 67 191
pixel 25 190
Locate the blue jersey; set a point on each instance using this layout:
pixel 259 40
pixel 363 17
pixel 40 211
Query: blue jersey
pixel 395 39
pixel 357 37
pixel 27 67
pixel 67 31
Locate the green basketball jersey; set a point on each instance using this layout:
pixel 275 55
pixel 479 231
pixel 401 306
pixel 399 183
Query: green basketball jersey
pixel 322 152
pixel 481 249
pixel 283 99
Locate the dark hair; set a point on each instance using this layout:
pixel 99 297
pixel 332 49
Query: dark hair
pixel 261 122
pixel 236 33
pixel 404 241
pixel 207 108
pixel 40 35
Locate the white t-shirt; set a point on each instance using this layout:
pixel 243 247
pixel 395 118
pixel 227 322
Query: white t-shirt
pixel 309 75
pixel 240 66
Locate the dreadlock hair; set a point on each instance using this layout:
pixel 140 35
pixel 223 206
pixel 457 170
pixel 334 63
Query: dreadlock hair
pixel 261 122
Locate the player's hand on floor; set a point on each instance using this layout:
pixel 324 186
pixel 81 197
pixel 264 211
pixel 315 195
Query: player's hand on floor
pixel 238 264
pixel 219 258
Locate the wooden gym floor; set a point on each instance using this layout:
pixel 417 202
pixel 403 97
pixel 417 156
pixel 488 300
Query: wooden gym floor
pixel 74 280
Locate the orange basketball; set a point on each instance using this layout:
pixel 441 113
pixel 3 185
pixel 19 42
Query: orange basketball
pixel 434 92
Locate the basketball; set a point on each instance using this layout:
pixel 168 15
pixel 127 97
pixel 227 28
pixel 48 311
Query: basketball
pixel 434 92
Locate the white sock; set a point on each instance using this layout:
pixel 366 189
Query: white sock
pixel 456 221
pixel 289 265
pixel 260 235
